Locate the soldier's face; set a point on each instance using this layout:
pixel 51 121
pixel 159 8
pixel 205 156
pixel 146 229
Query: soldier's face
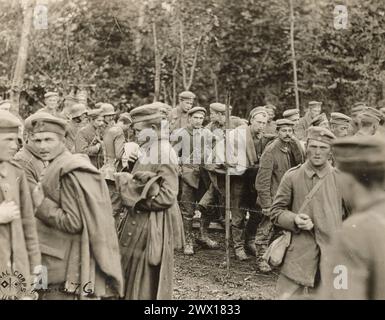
pixel 285 133
pixel 109 119
pixel 52 102
pixel 258 123
pixel 318 152
pixel 48 144
pixel 315 111
pixel 8 146
pixel 340 130
pixel 270 113
pixel 186 105
pixel 196 120
pixel 99 122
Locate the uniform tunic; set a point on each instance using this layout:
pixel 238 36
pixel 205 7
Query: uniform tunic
pixel 152 229
pixel 326 209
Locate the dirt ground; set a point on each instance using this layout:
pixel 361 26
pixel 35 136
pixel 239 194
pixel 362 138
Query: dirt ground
pixel 203 276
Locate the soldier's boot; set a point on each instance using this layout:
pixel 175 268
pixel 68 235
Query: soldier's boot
pixel 204 239
pixel 262 264
pixel 251 248
pixel 189 246
pixel 237 234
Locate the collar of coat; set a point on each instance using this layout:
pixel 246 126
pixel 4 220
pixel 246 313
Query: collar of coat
pixel 310 171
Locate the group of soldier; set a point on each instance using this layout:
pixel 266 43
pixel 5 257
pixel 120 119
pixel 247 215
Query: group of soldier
pixel 83 200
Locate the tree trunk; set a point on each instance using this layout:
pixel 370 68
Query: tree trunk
pixel 21 63
pixel 157 65
pixel 174 71
pixel 181 38
pixel 293 54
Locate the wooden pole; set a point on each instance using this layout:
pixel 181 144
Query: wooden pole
pixel 157 64
pixel 227 186
pixel 293 54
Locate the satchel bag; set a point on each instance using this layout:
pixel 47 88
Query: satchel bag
pixel 276 252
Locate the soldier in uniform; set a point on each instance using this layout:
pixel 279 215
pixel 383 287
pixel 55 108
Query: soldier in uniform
pixel 51 101
pixel 192 152
pixel 313 111
pixel 19 244
pixel 339 124
pixel 28 157
pixel 311 223
pixel 78 121
pixel 179 115
pixel 109 114
pixel 357 108
pixel 153 226
pixel 89 139
pixel 271 126
pixel 113 141
pixel 368 123
pixel 320 121
pixel 76 229
pixel 69 101
pixel 356 248
pixel 278 157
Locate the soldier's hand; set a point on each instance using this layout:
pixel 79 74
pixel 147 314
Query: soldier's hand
pixel 38 195
pixel 303 221
pixel 9 211
pixel 266 211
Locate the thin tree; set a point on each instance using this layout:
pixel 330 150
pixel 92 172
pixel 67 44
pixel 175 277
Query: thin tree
pixel 22 57
pixel 157 64
pixel 293 54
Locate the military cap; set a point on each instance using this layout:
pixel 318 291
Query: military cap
pixel 125 116
pixel 37 115
pixel 5 102
pixel 218 107
pixel 357 153
pixel 284 122
pixel 196 109
pixel 358 107
pixel 9 123
pixel 339 118
pixel 51 94
pixel 187 95
pixel 318 120
pixel 270 106
pixel 77 110
pixel 375 112
pixel 94 113
pixel 256 111
pixel 320 134
pixel 290 112
pixel 146 112
pixel 107 109
pixel 314 103
pixel 368 116
pixel 45 122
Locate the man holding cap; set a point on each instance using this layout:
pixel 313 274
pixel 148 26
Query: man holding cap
pixel 51 101
pixel 278 157
pixel 340 124
pixel 76 229
pixel 154 225
pixel 19 244
pixel 359 246
pixel 179 114
pixel 314 109
pixel 89 139
pixel 310 205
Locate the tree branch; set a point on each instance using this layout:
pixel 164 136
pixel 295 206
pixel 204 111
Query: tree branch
pixel 193 66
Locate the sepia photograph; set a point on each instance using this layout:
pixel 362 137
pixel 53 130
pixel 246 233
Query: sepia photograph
pixel 198 155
